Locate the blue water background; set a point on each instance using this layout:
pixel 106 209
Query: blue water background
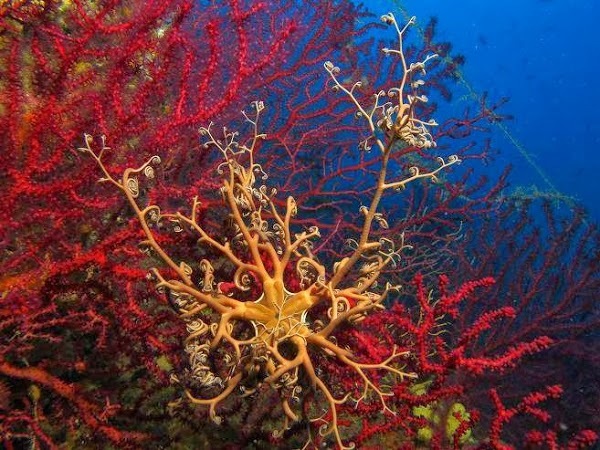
pixel 543 55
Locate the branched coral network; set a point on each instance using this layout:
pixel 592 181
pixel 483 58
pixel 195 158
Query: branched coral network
pixel 259 318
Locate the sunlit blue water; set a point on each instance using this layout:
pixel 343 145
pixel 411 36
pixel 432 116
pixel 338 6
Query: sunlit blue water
pixel 541 54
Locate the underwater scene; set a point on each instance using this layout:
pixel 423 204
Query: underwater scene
pixel 299 224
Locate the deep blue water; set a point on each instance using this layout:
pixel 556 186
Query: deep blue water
pixel 542 54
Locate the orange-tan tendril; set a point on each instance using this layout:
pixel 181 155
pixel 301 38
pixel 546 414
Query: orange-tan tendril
pixel 281 338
